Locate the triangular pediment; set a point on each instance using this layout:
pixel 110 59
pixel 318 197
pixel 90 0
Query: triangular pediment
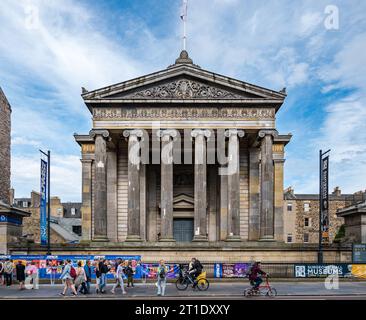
pixel 183 88
pixel 183 83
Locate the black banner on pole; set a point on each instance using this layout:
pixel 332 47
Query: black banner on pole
pixel 325 199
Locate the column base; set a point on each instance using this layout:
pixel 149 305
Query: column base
pixel 233 238
pixel 133 238
pixel 267 239
pixel 100 239
pixel 167 240
pixel 199 238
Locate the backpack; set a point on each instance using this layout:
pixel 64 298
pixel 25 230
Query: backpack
pixel 72 272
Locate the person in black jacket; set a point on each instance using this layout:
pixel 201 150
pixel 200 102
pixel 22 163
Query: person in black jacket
pixel 195 270
pixel 129 273
pixel 20 273
pixel 103 269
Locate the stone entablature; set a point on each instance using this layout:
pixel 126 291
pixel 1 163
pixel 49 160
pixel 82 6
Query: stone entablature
pixel 186 113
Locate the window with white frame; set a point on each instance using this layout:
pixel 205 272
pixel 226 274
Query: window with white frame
pixel 73 211
pixel 289 206
pixel 306 237
pixel 306 206
pixel 306 222
pixel 289 237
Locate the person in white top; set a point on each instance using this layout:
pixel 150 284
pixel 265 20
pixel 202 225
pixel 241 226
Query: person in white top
pixel 119 274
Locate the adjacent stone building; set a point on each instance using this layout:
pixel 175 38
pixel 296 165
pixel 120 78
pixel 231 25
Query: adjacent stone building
pixel 301 215
pixel 65 219
pixel 354 216
pixel 10 217
pixel 5 128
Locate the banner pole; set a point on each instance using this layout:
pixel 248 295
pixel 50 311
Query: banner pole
pixel 49 204
pixel 320 252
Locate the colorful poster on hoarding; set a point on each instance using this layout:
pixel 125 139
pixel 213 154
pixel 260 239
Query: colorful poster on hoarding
pixel 231 270
pixel 52 266
pixel 43 203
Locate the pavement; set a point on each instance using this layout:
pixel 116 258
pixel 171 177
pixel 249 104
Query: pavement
pixel 217 290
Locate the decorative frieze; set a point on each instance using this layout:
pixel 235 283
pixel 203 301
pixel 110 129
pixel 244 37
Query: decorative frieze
pixel 184 89
pixel 144 113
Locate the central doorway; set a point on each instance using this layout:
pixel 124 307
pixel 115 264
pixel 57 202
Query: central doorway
pixel 183 229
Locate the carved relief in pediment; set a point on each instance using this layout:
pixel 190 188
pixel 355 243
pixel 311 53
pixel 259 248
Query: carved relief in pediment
pixel 184 89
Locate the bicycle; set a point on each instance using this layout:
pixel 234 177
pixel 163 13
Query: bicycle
pixel 185 280
pixel 263 290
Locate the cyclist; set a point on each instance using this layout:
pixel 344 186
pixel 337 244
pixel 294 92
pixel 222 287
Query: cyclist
pixel 195 269
pixel 255 275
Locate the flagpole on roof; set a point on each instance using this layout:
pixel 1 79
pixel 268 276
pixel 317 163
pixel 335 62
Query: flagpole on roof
pixel 183 16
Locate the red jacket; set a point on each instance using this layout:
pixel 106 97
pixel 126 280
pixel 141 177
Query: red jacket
pixel 255 270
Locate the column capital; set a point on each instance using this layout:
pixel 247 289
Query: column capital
pixel 167 133
pixel 97 132
pixel 133 132
pixel 238 132
pixel 264 132
pixel 196 132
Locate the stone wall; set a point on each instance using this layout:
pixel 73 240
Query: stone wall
pixel 5 127
pixel 313 215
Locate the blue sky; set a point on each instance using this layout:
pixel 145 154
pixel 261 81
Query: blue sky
pixel 50 49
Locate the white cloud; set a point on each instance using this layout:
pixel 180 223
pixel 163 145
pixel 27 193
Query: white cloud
pixel 65 176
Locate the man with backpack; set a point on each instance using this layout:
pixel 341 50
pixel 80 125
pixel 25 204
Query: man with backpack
pixel 68 276
pixel 195 269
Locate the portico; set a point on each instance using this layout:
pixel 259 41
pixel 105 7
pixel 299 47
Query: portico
pixel 182 154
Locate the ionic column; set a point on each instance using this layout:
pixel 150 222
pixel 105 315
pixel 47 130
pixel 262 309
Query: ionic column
pixel 100 189
pixel 200 184
pixel 166 198
pixel 233 184
pixel 133 218
pixel 267 190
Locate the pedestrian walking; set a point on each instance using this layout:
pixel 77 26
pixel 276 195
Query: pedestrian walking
pixel 8 272
pixel 104 269
pixel 119 274
pixel 162 274
pixel 88 275
pixel 129 273
pixel 68 276
pixel 80 278
pixel 20 273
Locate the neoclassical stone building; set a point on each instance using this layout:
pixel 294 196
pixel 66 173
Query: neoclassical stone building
pixel 207 123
